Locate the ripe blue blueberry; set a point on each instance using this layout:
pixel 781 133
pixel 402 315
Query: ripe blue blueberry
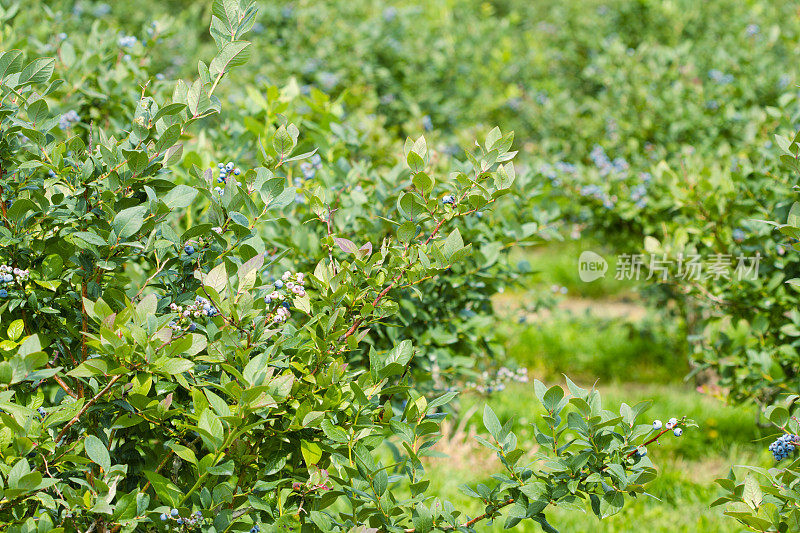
pixel 671 423
pixel 229 166
pixel 192 326
pixel 3 293
pixel 220 166
pixel 180 521
pixel 278 284
pixel 677 432
pixel 163 517
pixel 189 249
pixel 174 513
pixel 267 299
pixel 236 172
pixel 656 424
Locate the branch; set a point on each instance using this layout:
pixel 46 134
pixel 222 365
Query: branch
pixel 86 407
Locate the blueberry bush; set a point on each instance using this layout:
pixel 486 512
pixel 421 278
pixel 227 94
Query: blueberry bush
pixel 247 313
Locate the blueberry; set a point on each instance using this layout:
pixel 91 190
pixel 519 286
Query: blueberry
pixel 229 166
pixel 189 249
pixel 3 293
pixel 192 326
pixel 236 172
pixel 656 424
pixel 180 521
pixel 278 284
pixel 163 517
pixel 220 166
pixel 174 513
pixel 286 305
pixel 268 300
pixel 678 432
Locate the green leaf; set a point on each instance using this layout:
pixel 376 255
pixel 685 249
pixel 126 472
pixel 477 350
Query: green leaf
pixel 794 215
pixel 97 452
pixel 334 433
pixel 311 451
pixel 752 494
pixel 452 244
pixel 210 423
pixel 129 221
pixel 777 415
pixel 175 365
pixel 15 329
pixel 217 278
pixel 197 98
pixel 168 138
pixel 38 70
pixel 491 422
pixel 183 452
pixel 10 62
pixel 283 142
pixel 91 238
pixel 137 161
pixel 552 398
pixel 180 196
pixel 415 162
pixel 231 55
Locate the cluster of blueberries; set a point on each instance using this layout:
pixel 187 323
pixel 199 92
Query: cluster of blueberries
pixel 784 446
pixel 309 168
pixel 224 171
pixel 195 518
pixel 449 199
pixel 200 307
pixel 671 423
pixel 126 41
pixel 289 282
pixel 9 276
pixel 559 289
pixel 617 168
pixel 720 77
pixel 68 119
pixel 490 384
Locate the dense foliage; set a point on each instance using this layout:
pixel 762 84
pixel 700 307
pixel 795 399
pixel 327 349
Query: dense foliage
pixel 657 138
pixel 248 344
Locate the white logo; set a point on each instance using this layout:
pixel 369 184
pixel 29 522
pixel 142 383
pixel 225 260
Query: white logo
pixel 591 266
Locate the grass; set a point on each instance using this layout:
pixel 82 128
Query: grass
pixel 557 264
pixel 605 348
